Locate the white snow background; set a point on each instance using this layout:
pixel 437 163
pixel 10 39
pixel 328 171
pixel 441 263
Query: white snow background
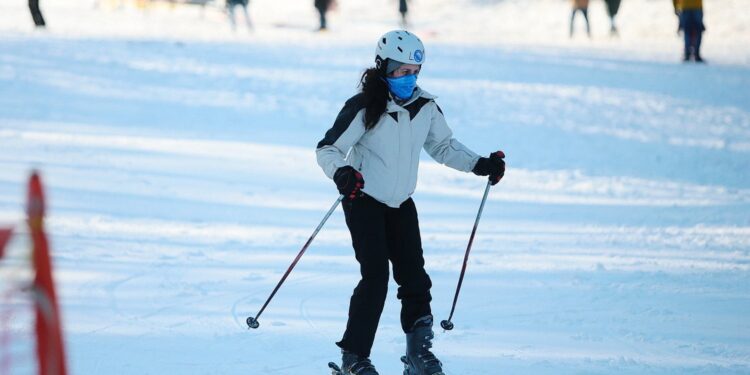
pixel 180 167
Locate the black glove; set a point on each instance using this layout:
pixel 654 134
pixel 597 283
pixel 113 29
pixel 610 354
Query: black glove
pixel 349 181
pixel 494 166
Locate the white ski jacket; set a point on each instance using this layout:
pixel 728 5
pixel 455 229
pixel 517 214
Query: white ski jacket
pixel 388 154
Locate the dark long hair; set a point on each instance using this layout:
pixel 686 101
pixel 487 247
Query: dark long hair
pixel 375 92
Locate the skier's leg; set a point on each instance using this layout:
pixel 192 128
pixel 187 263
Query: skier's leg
pixel 572 20
pixel 405 252
pixel 585 12
pixel 36 13
pixel 248 23
pixel 230 13
pixel 365 218
pixel 689 33
pixel 699 35
pixel 322 13
pixel 403 9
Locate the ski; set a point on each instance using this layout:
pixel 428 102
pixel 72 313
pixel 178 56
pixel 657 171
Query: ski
pixel 336 370
pixel 406 367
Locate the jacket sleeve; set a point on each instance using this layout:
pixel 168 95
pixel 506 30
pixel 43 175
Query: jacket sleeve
pixel 346 131
pixel 445 149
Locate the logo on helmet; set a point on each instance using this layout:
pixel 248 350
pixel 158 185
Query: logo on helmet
pixel 418 56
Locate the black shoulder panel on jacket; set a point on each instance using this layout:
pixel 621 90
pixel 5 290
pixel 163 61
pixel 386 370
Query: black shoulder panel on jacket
pixel 416 106
pixel 343 120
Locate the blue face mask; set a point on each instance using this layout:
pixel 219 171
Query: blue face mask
pixel 402 87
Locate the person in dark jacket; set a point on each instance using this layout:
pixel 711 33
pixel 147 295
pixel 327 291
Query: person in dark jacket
pixel 322 7
pixel 372 154
pixel 612 7
pixel 36 13
pixel 583 7
pixel 690 13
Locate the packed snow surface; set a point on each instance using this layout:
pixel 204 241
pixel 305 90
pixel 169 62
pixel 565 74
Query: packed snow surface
pixel 180 167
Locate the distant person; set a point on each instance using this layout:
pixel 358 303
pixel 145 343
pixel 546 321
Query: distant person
pixel 612 7
pixel 690 13
pixel 322 7
pixel 403 8
pixel 231 4
pixel 36 13
pixel 583 7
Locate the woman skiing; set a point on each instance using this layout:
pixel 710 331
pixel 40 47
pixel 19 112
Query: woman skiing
pixel 372 154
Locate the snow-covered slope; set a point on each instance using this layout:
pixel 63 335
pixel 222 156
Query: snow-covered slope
pixel 648 28
pixel 181 173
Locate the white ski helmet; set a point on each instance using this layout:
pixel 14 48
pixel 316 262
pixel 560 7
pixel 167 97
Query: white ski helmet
pixel 401 46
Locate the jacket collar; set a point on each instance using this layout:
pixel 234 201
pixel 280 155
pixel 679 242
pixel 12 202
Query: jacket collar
pixel 418 92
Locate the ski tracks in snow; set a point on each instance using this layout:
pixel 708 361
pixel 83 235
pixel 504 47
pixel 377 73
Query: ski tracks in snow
pixel 182 182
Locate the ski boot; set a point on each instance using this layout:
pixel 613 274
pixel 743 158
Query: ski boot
pixel 352 364
pixel 419 360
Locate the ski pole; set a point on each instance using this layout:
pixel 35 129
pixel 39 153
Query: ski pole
pixel 447 324
pixel 252 322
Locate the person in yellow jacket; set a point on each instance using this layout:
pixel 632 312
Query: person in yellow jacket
pixel 690 13
pixel 583 7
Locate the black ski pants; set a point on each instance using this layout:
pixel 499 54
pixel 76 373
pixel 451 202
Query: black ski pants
pixel 381 234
